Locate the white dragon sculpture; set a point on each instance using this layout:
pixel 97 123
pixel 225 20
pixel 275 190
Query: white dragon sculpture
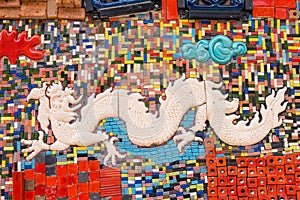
pixel 58 106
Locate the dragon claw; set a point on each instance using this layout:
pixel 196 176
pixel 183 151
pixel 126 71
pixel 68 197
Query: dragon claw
pixel 112 152
pixel 185 138
pixel 35 146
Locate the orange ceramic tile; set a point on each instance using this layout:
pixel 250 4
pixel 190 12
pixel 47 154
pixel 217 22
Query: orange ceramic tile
pixel 241 162
pixel 29 174
pixel 72 169
pixel 233 198
pixel 94 165
pixel 271 169
pixel 291 189
pixel 232 170
pixel 252 192
pixel 271 160
pixel 242 191
pixel 251 162
pixel 289 159
pixel 72 179
pixel 297 167
pixel 252 172
pixel 212 191
pixel 94 186
pixel 83 187
pixel 211 152
pixel 290 179
pixel 61 192
pixel 290 169
pixel 280 169
pixel 281 13
pixel 61 170
pixel 62 180
pixel 18 185
pixel 261 181
pixel 164 9
pixel 212 171
pixel 281 179
pixel 272 189
pixel 222 171
pixel 280 189
pixel 242 172
pixel 209 142
pixel 285 3
pixel 40 179
pixel 261 171
pixel 259 11
pixel 252 182
pixel 116 198
pixel 241 181
pixel 261 191
pixel 211 161
pixel 222 181
pixel 272 179
pixel 231 180
pixel 172 9
pixel 221 162
pixel 51 181
pixel 222 191
pixel 232 191
pixel 94 176
pixel 83 166
pixel 212 181
pixel 260 162
pixel 72 190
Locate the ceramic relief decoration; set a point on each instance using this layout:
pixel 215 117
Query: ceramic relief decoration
pixel 149 100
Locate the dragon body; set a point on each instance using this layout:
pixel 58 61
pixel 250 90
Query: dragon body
pixel 144 128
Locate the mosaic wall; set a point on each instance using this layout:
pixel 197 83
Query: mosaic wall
pixel 142 54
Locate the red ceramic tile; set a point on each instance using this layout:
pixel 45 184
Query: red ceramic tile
pixel 62 181
pixel 222 191
pixel 61 170
pixel 232 191
pixel 84 197
pixel 94 165
pixel 72 179
pixel 83 166
pixel 221 162
pixel 51 181
pixel 40 179
pixel 285 3
pixel 29 174
pixel 40 168
pixel 73 198
pixel 72 169
pixel 83 187
pixel 61 192
pixel 259 11
pixel 281 13
pixel 18 185
pixel 94 176
pixel 72 190
pixel 40 190
pixel 12 46
pixel 164 9
pixel 94 186
pixel 29 195
pixel 51 193
pixel 212 181
pixel 263 3
pixel 241 162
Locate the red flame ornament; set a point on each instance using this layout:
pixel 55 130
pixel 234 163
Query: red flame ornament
pixel 13 46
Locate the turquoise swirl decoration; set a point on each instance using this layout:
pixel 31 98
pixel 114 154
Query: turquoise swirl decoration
pixel 220 49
